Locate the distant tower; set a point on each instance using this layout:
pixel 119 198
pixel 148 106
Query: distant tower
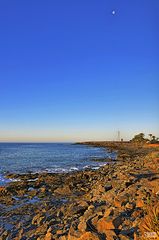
pixel 118 136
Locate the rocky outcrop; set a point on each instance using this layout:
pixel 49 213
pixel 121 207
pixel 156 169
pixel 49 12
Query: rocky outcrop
pixel 108 203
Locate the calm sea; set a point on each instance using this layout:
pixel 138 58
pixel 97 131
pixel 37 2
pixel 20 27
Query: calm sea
pixel 50 157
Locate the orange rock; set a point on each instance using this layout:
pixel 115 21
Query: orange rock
pixel 117 203
pixel 73 234
pixel 104 224
pixel 2 189
pixel 137 213
pixel 95 221
pixel 63 238
pixel 108 223
pixel 110 235
pixel 70 237
pixel 139 203
pixel 155 186
pixel 136 237
pixel 109 212
pixel 82 225
pixel 58 232
pixel 156 159
pixel 48 236
pixel 108 196
pixel 89 236
pixel 63 190
pixel 122 237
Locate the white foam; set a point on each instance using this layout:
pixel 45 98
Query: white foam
pixel 32 180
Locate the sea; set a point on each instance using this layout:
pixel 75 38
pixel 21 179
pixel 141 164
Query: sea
pixel 24 158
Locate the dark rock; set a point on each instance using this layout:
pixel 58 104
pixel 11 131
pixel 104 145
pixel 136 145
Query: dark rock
pixel 108 187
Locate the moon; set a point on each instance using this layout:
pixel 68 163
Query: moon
pixel 113 12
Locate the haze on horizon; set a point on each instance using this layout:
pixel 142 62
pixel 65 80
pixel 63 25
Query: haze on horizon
pixel 73 71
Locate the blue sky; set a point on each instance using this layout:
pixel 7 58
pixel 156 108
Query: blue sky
pixel 71 70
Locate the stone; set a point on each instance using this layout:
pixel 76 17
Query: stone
pixel 82 226
pixel 109 212
pixel 130 206
pixel 123 237
pixel 110 235
pixel 108 187
pixel 104 224
pixel 62 238
pixel 37 219
pixel 48 236
pixel 89 236
pixel 2 189
pixel 140 203
pixel 63 190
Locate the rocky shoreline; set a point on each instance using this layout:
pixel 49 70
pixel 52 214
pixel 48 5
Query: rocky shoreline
pixel 112 202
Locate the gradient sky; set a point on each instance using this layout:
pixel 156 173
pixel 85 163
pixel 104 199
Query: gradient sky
pixel 71 70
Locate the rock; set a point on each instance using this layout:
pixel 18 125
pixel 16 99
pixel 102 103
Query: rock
pixel 38 219
pixel 60 214
pixel 137 213
pixel 94 221
pixel 104 224
pixel 110 235
pixel 82 226
pixel 123 237
pixel 74 233
pixel 108 203
pixel 4 235
pixel 43 189
pixel 108 187
pixel 63 238
pixel 108 223
pixel 2 189
pixel 129 182
pixel 79 209
pixel 121 200
pixel 41 230
pixel 89 236
pixel 48 236
pixel 117 203
pixel 139 203
pixel 130 206
pixel 109 212
pixel 63 190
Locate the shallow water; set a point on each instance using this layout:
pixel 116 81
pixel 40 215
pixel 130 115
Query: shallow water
pixel 49 157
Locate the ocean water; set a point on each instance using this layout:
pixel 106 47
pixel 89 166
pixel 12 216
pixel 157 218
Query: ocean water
pixel 47 157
